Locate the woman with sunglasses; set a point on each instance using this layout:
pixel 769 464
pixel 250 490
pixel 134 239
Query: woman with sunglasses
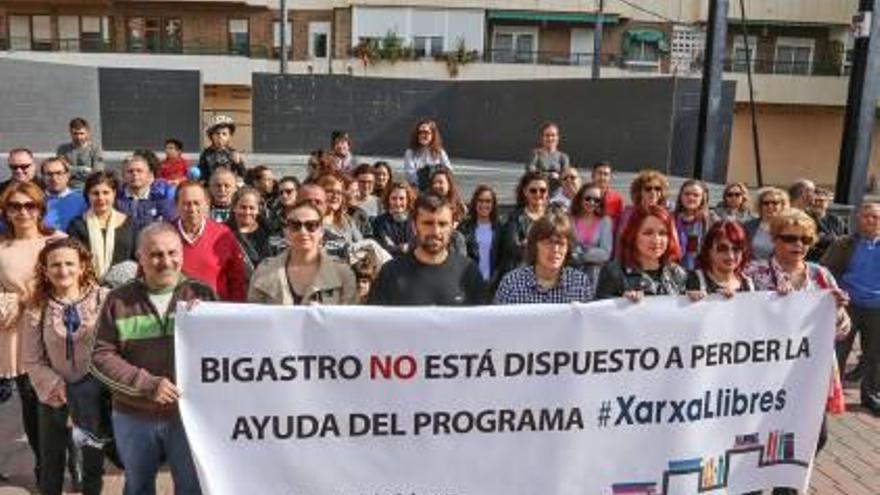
pixel 772 202
pixel 304 273
pixel 108 233
pixel 592 232
pixel 735 204
pixel 648 188
pixel 647 264
pixel 24 207
pixel 424 155
pixel 786 271
pixel 723 256
pixel 57 350
pixel 531 204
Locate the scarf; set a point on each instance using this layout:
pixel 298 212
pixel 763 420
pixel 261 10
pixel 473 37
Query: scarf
pixel 101 244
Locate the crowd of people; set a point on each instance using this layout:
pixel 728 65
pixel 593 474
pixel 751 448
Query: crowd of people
pixel 92 266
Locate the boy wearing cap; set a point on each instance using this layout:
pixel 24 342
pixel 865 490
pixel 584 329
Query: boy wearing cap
pixel 220 153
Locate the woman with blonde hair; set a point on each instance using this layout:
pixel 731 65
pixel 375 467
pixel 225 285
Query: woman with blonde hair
pixel 57 350
pixel 771 202
pixel 735 203
pixel 648 188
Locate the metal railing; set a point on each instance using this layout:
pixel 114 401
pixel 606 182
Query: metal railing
pixel 820 66
pixel 815 67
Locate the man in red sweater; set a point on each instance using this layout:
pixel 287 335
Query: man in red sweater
pixel 210 252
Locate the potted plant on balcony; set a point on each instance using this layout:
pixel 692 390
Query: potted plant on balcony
pixel 458 57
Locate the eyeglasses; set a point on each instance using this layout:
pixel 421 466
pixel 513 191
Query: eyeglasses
pixel 569 177
pixel 334 192
pixel 771 202
pixel 425 131
pixel 16 206
pixel 728 248
pixel 538 190
pixel 484 201
pixel 652 189
pixel 24 166
pixel 792 238
pixel 311 226
pixel 593 199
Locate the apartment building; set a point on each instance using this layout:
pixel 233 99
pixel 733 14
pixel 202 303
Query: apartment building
pixel 799 51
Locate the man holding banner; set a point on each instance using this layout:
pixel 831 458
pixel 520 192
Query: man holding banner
pixel 134 356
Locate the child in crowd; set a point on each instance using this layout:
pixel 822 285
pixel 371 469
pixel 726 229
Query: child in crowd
pixel 173 168
pixel 221 152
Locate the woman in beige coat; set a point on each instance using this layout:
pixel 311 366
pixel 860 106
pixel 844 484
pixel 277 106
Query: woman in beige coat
pixel 304 273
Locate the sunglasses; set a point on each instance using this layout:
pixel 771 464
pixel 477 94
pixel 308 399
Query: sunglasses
pixel 652 189
pixel 425 131
pixel 311 226
pixel 728 248
pixel 287 191
pixel 792 238
pixel 16 206
pixel 538 190
pixel 592 199
pixel 733 194
pixel 20 167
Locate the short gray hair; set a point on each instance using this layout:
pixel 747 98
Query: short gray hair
pixel 154 229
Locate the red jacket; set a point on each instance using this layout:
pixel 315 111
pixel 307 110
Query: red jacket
pixel 215 259
pixel 173 170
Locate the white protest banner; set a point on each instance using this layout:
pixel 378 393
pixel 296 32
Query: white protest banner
pixel 661 397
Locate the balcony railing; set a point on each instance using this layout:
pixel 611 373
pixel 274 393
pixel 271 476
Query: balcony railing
pixel 816 67
pixel 820 66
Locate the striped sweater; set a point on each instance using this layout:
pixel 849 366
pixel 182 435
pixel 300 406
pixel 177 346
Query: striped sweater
pixel 135 345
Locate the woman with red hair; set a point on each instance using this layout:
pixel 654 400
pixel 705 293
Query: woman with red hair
pixel 648 258
pixel 720 262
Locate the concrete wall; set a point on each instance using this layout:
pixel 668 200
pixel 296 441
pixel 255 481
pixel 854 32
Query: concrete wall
pixel 795 141
pixel 38 100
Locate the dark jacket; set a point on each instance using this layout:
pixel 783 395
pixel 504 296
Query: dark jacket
pixel 393 235
pixel 829 228
pixel 124 241
pixel 513 241
pixel 615 279
pixel 255 246
pixel 838 254
pixel 157 207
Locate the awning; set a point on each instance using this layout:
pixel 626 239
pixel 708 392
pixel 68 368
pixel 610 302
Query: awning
pixel 654 36
pixel 540 16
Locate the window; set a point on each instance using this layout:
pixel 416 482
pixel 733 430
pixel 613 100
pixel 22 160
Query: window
pixel 514 46
pixel 319 40
pixel 20 32
pixel 276 37
pixel 688 45
pixel 738 59
pixel 239 37
pixel 153 34
pixel 41 26
pixel 794 56
pixel 68 33
pixel 428 46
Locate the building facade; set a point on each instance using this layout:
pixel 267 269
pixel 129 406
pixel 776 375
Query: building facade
pixel 799 51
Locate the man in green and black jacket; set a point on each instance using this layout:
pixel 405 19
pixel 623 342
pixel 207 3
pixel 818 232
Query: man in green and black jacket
pixel 134 357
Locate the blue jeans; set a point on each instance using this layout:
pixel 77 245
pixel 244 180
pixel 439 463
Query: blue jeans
pixel 143 443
